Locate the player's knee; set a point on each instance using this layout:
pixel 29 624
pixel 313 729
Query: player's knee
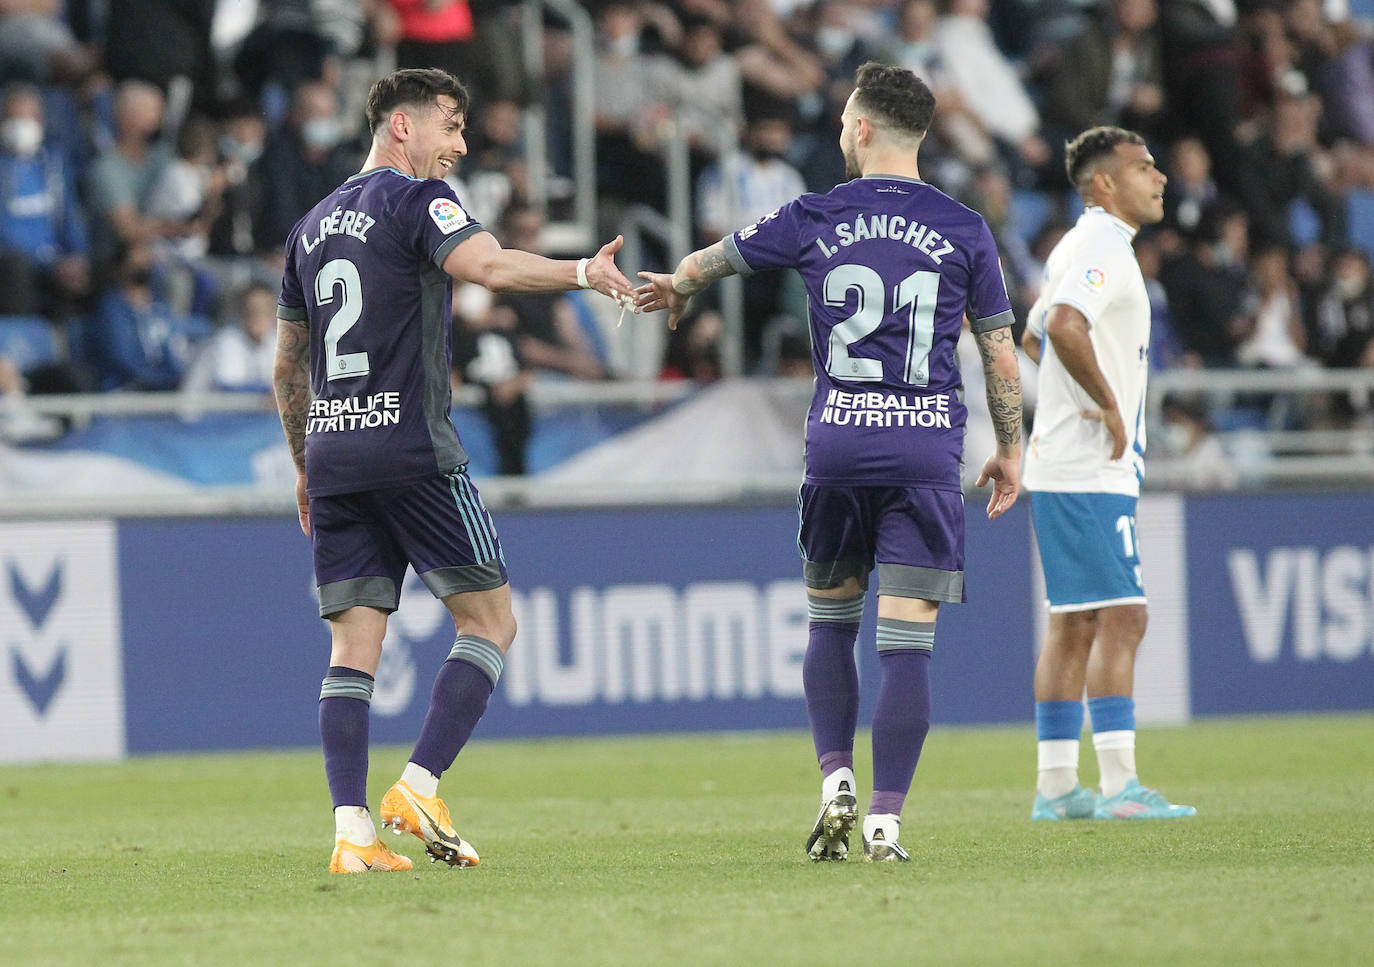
pixel 1072 632
pixel 500 630
pixel 1125 625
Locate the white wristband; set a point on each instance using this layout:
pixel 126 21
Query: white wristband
pixel 582 273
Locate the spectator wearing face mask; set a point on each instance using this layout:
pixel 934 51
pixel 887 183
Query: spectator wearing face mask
pixel 741 189
pixel 44 254
pixel 301 164
pixel 1199 460
pixel 1345 312
pixel 1206 285
pixel 240 355
pixel 1344 326
pixel 243 135
pixel 134 340
pixel 189 189
pixel 121 178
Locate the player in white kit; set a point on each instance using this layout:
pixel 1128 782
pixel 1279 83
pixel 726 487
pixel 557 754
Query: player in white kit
pixel 1090 333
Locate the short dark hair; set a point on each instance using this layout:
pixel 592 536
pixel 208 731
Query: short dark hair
pixel 242 296
pixel 896 96
pixel 412 85
pixel 1090 147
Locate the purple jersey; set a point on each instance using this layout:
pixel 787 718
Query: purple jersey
pixel 891 266
pixel 364 271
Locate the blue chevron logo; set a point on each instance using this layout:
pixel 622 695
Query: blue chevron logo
pixel 40 690
pixel 36 604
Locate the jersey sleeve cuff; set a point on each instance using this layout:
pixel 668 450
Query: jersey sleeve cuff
pixel 293 313
pixel 735 259
pixel 1000 321
pixel 452 242
pixel 1088 314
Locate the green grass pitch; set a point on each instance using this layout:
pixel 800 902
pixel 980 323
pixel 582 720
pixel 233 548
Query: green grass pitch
pixel 687 850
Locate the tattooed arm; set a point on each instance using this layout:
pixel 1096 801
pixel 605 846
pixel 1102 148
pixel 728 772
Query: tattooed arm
pixel 1002 374
pixel 291 384
pixel 672 292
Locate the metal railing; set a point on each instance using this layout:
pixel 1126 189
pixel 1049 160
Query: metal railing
pixel 1261 458
pixel 673 232
pixel 551 395
pixel 641 351
pixel 579 232
pixel 1271 452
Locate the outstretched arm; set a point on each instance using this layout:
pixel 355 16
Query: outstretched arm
pixel 291 385
pixel 672 292
pixel 481 259
pixel 1002 374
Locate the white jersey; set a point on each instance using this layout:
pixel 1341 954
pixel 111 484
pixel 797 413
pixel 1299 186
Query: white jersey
pixel 1094 270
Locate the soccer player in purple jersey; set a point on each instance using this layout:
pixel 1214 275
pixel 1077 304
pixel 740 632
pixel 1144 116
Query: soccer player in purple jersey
pixel 891 267
pixel 362 385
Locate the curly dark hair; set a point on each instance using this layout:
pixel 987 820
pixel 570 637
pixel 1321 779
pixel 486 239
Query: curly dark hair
pixel 414 86
pixel 1090 147
pixel 896 96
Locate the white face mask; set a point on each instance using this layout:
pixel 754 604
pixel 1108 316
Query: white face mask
pixel 242 152
pixel 1177 436
pixel 323 133
pixel 1349 286
pixel 834 42
pixel 22 136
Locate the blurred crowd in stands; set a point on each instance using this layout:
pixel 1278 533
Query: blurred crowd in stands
pixel 154 155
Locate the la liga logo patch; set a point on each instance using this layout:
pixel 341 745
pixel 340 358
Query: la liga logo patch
pixel 1095 279
pixel 447 215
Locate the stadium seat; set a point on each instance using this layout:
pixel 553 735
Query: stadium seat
pixel 1363 9
pixel 1360 210
pixel 29 341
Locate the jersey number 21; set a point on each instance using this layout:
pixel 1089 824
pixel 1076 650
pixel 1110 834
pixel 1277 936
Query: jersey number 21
pixel 916 294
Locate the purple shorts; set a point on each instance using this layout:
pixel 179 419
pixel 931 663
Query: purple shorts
pixel 915 535
pixel 362 543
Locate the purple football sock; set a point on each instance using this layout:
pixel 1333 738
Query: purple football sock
pixel 345 701
pixel 834 761
pixel 900 723
pixel 830 678
pixel 458 701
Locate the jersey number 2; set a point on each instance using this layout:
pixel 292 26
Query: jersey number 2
pixel 343 275
pixel 917 294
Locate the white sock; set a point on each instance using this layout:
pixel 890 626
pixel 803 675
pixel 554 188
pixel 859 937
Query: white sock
pixel 421 781
pixel 354 824
pixel 1057 761
pixel 890 825
pixel 1115 759
pixel 830 785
